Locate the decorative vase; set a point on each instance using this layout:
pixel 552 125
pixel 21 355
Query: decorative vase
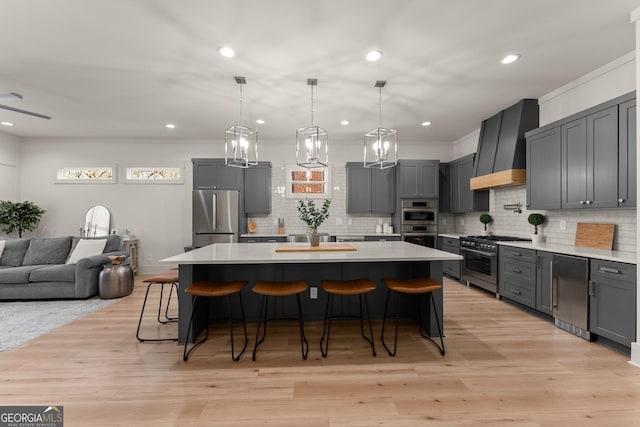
pixel 314 237
pixel 536 238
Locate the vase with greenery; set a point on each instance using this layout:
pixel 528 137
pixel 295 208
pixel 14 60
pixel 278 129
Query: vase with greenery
pixel 313 217
pixel 19 216
pixel 485 219
pixel 535 219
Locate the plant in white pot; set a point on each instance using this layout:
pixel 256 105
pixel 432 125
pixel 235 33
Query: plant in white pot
pixel 485 219
pixel 313 217
pixel 536 219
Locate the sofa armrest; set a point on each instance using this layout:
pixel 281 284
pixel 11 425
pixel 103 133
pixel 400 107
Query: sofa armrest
pixel 88 270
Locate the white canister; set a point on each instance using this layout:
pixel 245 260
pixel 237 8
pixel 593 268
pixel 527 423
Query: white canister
pixel 390 229
pixel 385 227
pixel 379 228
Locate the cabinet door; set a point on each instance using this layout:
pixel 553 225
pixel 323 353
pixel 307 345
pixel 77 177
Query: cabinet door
pixel 543 282
pixel 429 178
pixel 257 189
pixel 465 194
pixel 409 180
pixel 205 174
pixel 383 190
pixel 358 189
pixel 574 164
pixel 488 144
pixel 444 201
pixel 230 178
pixel 454 170
pixel 602 159
pixel 627 154
pixel 543 170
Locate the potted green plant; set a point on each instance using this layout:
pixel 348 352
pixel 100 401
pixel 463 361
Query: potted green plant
pixel 536 219
pixel 19 216
pixel 313 217
pixel 485 219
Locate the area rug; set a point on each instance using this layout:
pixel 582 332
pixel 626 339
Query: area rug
pixel 22 321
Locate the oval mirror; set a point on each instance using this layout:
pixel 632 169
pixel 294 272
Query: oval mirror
pixel 97 222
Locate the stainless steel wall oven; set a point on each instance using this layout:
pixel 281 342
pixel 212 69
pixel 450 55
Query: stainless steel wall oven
pixel 419 222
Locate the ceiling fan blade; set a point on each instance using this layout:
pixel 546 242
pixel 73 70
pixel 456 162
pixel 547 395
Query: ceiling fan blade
pixel 10 96
pixel 31 113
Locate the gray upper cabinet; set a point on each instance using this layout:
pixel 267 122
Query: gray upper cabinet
pixel 418 179
pixel 463 199
pixel 370 190
pixel 214 174
pixel 544 170
pixel 627 154
pixel 590 162
pixel 257 189
pixel 489 133
pixel 444 201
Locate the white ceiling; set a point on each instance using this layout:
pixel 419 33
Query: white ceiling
pixel 122 69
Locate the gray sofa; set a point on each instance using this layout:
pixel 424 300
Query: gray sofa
pixel 36 268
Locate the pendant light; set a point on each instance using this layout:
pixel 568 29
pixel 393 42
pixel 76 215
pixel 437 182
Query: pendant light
pixel 240 142
pixel 380 145
pixel 312 148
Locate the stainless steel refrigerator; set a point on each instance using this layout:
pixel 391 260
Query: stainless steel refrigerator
pixel 215 217
pixel 570 294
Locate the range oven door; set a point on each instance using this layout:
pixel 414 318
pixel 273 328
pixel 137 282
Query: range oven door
pixel 480 268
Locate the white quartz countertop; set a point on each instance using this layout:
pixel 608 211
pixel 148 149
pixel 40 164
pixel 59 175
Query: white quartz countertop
pixel 618 256
pixel 265 253
pixel 331 234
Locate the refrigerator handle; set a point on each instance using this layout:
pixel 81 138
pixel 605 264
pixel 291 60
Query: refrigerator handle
pixel 214 219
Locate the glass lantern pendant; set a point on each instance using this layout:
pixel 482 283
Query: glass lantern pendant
pixel 240 142
pixel 380 144
pixel 312 148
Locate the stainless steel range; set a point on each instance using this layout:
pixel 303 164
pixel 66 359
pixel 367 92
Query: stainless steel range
pixel 480 263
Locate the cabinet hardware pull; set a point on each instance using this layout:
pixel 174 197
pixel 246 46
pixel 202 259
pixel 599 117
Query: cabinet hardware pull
pixel 582 202
pixel 516 270
pixel 609 270
pixel 515 291
pixel 588 202
pixel 621 200
pixel 592 288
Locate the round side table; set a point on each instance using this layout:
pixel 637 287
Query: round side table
pixel 115 281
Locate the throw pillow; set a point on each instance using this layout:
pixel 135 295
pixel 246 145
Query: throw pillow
pixel 86 248
pixel 13 253
pixel 52 250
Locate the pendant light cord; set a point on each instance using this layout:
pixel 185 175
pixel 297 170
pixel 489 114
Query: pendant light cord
pixel 311 105
pixel 380 108
pixel 240 104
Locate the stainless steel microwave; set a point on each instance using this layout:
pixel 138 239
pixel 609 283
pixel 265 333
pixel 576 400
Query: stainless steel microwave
pixel 419 212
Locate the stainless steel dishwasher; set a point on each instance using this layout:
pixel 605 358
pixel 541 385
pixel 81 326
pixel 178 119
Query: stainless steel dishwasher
pixel 570 294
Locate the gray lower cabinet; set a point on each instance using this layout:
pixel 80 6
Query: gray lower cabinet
pixel 214 174
pixel 451 245
pixel 257 189
pixel 544 170
pixel 370 190
pixel 544 264
pixel 418 179
pixel 517 275
pixel 612 301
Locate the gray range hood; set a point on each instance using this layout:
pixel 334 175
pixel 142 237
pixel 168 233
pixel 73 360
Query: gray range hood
pixel 501 154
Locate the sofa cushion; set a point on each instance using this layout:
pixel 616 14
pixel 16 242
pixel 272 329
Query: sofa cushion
pixel 54 273
pixel 53 250
pixel 17 274
pixel 86 248
pixel 114 242
pixel 14 250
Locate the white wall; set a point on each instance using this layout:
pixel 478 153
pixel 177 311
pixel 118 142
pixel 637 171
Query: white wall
pixel 9 166
pixel 160 215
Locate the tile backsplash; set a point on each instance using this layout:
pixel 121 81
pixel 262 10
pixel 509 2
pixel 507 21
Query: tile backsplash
pixel 338 222
pixel 507 222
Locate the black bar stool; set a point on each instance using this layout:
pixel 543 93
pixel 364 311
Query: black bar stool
pixel 411 286
pixel 280 289
pixel 169 278
pixel 205 289
pixel 359 287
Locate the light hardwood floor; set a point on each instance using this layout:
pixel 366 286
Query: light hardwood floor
pixel 503 367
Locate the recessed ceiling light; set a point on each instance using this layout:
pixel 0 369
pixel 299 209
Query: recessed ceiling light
pixel 170 126
pixel 374 55
pixel 6 123
pixel 344 122
pixel 427 123
pixel 227 52
pixel 511 58
pixel 260 121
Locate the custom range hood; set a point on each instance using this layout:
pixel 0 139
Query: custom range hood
pixel 501 154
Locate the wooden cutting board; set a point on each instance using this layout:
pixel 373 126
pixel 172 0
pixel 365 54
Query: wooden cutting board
pixel 597 236
pixel 305 247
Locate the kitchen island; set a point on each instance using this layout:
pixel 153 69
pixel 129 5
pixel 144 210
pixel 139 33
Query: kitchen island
pixel 253 262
